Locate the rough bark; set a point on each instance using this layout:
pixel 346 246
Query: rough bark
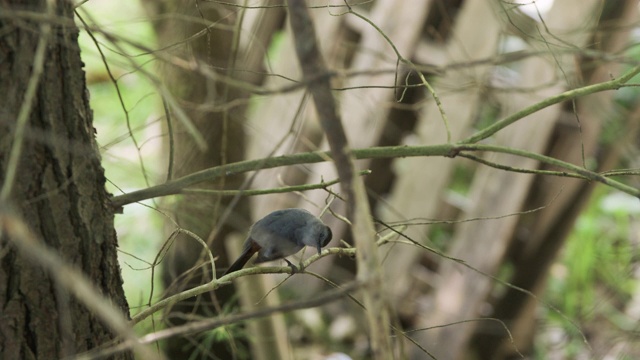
pixel 58 192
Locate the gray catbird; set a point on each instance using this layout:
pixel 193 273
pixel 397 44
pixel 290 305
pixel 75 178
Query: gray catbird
pixel 280 234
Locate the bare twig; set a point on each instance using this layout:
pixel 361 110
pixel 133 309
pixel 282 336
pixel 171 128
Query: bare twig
pixel 283 189
pixel 451 150
pixel 208 324
pixel 567 95
pixel 369 269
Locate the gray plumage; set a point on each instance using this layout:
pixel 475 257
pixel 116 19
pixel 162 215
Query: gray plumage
pixel 282 233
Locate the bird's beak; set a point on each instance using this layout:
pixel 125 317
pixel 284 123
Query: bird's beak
pixel 319 248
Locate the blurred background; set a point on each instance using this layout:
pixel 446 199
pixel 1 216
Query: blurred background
pixel 511 264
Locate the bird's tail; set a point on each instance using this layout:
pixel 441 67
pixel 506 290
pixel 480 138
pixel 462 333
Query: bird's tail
pixel 251 248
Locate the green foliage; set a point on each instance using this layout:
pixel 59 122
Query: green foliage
pixel 594 277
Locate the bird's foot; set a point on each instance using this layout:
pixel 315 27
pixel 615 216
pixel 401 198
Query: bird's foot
pixel 294 269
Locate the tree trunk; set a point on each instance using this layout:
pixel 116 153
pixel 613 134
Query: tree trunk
pixel 58 190
pixel 207 104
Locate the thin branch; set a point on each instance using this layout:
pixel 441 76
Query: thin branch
pixel 167 96
pixel 518 170
pixel 120 97
pixel 522 290
pixel 449 150
pixel 208 324
pixel 369 268
pixel 176 186
pixel 401 59
pixel 575 169
pixel 567 95
pixel 279 190
pixel 225 280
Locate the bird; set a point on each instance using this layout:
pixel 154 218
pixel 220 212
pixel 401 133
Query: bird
pixel 280 234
